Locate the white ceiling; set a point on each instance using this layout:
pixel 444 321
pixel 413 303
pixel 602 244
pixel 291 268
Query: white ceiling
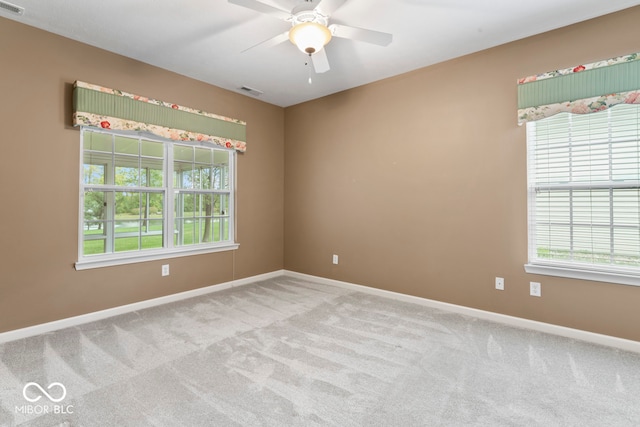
pixel 204 39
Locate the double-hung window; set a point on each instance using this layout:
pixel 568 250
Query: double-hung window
pixel 144 198
pixel 584 195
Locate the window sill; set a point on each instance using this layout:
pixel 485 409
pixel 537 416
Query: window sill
pixel 121 259
pixel 621 278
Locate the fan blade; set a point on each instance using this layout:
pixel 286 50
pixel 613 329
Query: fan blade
pixel 360 34
pixel 320 61
pixel 263 8
pixel 271 42
pixel 327 7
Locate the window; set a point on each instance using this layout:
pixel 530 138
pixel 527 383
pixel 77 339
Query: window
pixel 584 195
pixel 145 198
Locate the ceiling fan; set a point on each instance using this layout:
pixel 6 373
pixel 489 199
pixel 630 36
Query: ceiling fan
pixel 310 29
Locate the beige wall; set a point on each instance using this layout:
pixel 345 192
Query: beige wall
pixel 39 182
pixel 418 183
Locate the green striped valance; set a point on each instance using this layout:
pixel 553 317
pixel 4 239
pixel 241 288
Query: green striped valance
pixel 581 89
pixel 113 109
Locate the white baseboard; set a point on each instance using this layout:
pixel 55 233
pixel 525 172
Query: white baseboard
pixel 606 340
pixel 103 314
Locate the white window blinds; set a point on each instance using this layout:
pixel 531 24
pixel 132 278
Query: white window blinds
pixel 584 191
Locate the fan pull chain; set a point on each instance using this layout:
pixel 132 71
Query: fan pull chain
pixel 308 64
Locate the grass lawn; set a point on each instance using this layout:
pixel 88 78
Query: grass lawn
pixel 130 237
pixel 589 257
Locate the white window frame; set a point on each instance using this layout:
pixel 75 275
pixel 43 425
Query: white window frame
pixel 572 269
pixel 169 250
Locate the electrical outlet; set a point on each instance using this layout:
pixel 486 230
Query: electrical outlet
pixel 335 259
pixel 535 289
pixel 165 270
pixel 500 283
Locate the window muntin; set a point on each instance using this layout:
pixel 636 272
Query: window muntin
pixel 140 195
pixel 584 191
pixel 201 182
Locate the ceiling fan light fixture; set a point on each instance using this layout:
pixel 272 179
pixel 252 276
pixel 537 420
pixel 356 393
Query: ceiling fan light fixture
pixel 310 37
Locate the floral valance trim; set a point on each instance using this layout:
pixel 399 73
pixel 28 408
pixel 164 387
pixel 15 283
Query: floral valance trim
pixel 582 106
pixel 579 68
pixel 106 122
pixel 106 108
pixel 154 101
